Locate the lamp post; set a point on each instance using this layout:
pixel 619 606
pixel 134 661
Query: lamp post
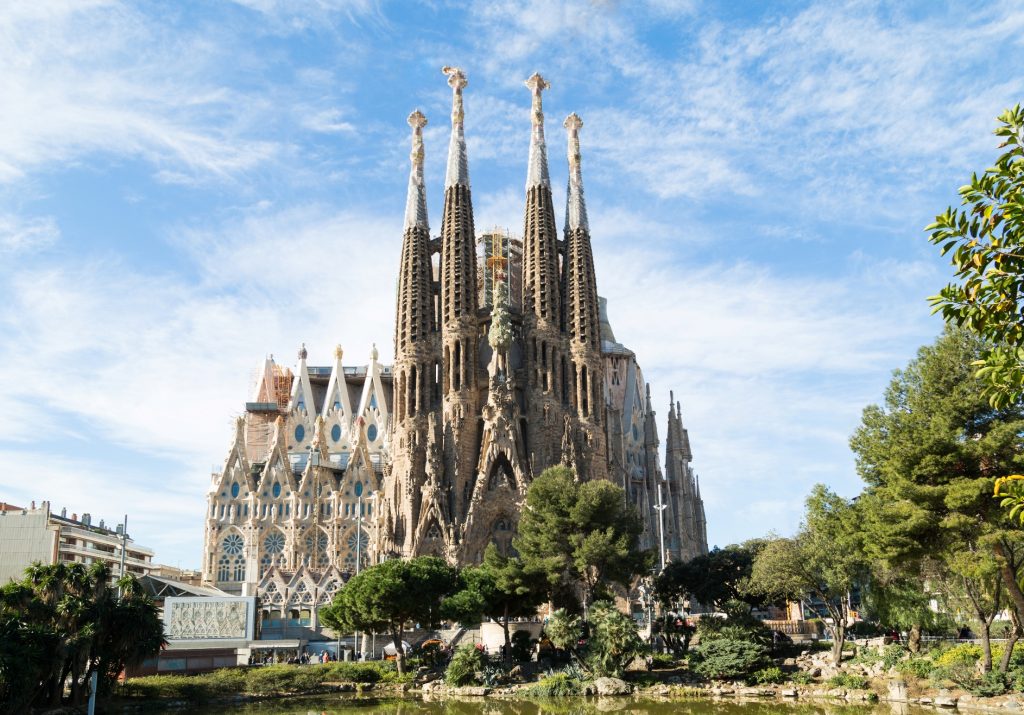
pixel 124 548
pixel 661 527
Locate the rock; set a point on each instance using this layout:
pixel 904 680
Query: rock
pixel 474 690
pixel 516 672
pixel 1012 704
pixel 789 662
pixel 815 672
pixel 788 693
pixel 945 701
pixel 612 686
pixel 925 701
pixel 836 693
pixel 898 690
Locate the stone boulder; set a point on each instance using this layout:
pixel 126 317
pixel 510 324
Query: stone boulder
pixel 611 686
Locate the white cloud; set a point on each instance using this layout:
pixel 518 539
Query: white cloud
pixel 18 234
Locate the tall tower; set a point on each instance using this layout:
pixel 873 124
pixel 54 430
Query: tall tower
pixel 547 368
pixel 417 357
pixel 582 321
pixel 460 332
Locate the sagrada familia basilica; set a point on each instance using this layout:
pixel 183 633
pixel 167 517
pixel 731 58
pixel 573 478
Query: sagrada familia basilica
pixel 505 364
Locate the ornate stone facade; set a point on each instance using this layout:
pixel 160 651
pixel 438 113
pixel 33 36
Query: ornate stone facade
pixel 434 455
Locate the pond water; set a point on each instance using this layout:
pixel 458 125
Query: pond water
pixel 363 705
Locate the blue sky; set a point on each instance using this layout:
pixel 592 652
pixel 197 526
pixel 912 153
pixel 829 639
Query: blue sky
pixel 187 187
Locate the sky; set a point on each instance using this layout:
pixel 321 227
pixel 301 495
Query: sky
pixel 188 187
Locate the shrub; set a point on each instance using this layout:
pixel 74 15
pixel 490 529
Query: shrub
pixel 864 629
pixel 989 685
pixel 848 680
pixel 802 677
pixel 522 645
pixel 165 687
pixel 768 676
pixel 893 654
pixel 728 658
pixel 663 660
pixel 274 679
pixel 349 672
pixel 465 663
pixel 614 641
pixel 967 653
pixel 557 685
pixel 918 667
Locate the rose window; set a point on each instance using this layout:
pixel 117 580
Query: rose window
pixel 233 544
pixel 274 543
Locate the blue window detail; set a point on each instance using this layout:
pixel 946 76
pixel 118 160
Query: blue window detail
pixel 373 401
pixel 300 433
pixel 337 405
pixel 336 432
pixel 636 433
pixel 371 432
pixel 359 489
pixel 234 489
pixel 302 405
pixel 276 489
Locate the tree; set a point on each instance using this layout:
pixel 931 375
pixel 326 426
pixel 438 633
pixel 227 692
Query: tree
pixel 387 596
pixel 824 561
pixel 985 238
pixel 614 641
pixel 714 578
pixel 579 536
pixel 929 457
pixel 499 588
pixel 62 623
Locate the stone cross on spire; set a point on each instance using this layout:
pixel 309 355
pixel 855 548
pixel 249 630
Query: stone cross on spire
pixel 537 172
pixel 575 206
pixel 458 164
pixel 416 200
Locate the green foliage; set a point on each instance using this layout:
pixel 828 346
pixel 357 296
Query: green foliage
pixel 273 679
pixel 802 677
pixel 728 658
pixel 713 579
pixel 614 641
pixel 848 680
pixel 739 624
pixel 522 646
pixel 386 596
pixel 768 676
pixel 66 621
pixel 564 630
pixel 465 663
pixel 966 653
pixel 893 654
pixel 917 667
pixel 579 534
pixel 662 661
pixel 556 685
pixel 965 675
pixel 985 241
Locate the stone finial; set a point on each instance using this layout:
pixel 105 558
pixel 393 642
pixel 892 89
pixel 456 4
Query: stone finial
pixel 575 205
pixel 416 200
pixel 338 352
pixel 537 171
pixel 458 164
pixel 373 353
pixel 302 352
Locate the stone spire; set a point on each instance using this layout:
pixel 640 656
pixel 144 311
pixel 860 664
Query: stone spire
pixel 579 292
pixel 458 239
pixel 537 171
pixel 575 206
pixel 540 248
pixel 458 164
pixel 414 320
pixel 416 200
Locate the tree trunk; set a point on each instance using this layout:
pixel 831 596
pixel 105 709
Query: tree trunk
pixel 838 629
pixel 1009 575
pixel 508 638
pixel 396 638
pixel 1004 663
pixel 914 639
pixel 986 646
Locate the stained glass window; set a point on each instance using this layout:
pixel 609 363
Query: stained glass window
pixel 274 543
pixel 233 544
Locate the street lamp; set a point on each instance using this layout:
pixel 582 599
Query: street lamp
pixel 660 507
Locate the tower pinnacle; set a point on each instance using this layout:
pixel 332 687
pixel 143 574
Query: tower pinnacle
pixel 537 173
pixel 458 164
pixel 416 200
pixel 575 206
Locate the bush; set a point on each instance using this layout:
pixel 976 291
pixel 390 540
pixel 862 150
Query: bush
pixel 522 646
pixel 848 680
pixel 967 653
pixel 768 676
pixel 465 663
pixel 802 677
pixel 728 658
pixel 349 672
pixel 557 685
pixel 273 679
pixel 663 660
pixel 918 667
pixel 893 654
pixel 865 629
